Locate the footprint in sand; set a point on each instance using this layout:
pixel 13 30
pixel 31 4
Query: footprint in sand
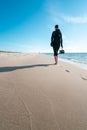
pixel 83 78
pixel 67 71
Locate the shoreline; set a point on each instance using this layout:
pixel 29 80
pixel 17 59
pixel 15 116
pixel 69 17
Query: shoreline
pixel 79 64
pixel 71 62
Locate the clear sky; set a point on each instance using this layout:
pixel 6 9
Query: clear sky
pixel 27 25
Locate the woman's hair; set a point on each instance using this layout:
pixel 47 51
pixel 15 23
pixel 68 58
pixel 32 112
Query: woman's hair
pixel 56 26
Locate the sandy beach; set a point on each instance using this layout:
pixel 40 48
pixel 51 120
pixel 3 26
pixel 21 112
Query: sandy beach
pixel 35 94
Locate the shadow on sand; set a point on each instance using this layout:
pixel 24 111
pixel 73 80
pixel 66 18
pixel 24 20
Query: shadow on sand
pixel 12 68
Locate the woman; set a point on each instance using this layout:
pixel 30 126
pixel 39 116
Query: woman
pixel 56 42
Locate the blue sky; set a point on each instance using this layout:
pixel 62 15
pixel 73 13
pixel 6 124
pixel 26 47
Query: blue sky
pixel 27 25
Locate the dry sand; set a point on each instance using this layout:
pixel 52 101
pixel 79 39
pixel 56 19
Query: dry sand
pixel 37 95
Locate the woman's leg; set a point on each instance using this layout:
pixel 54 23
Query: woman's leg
pixel 55 55
pixel 55 49
pixel 56 59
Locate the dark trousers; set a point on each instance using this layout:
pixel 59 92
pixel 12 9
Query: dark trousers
pixel 55 49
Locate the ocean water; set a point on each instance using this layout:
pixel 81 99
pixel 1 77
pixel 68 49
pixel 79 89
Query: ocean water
pixel 79 59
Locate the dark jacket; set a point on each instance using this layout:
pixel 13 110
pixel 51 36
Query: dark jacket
pixel 56 38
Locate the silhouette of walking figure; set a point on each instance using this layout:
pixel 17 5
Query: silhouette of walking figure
pixel 56 42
